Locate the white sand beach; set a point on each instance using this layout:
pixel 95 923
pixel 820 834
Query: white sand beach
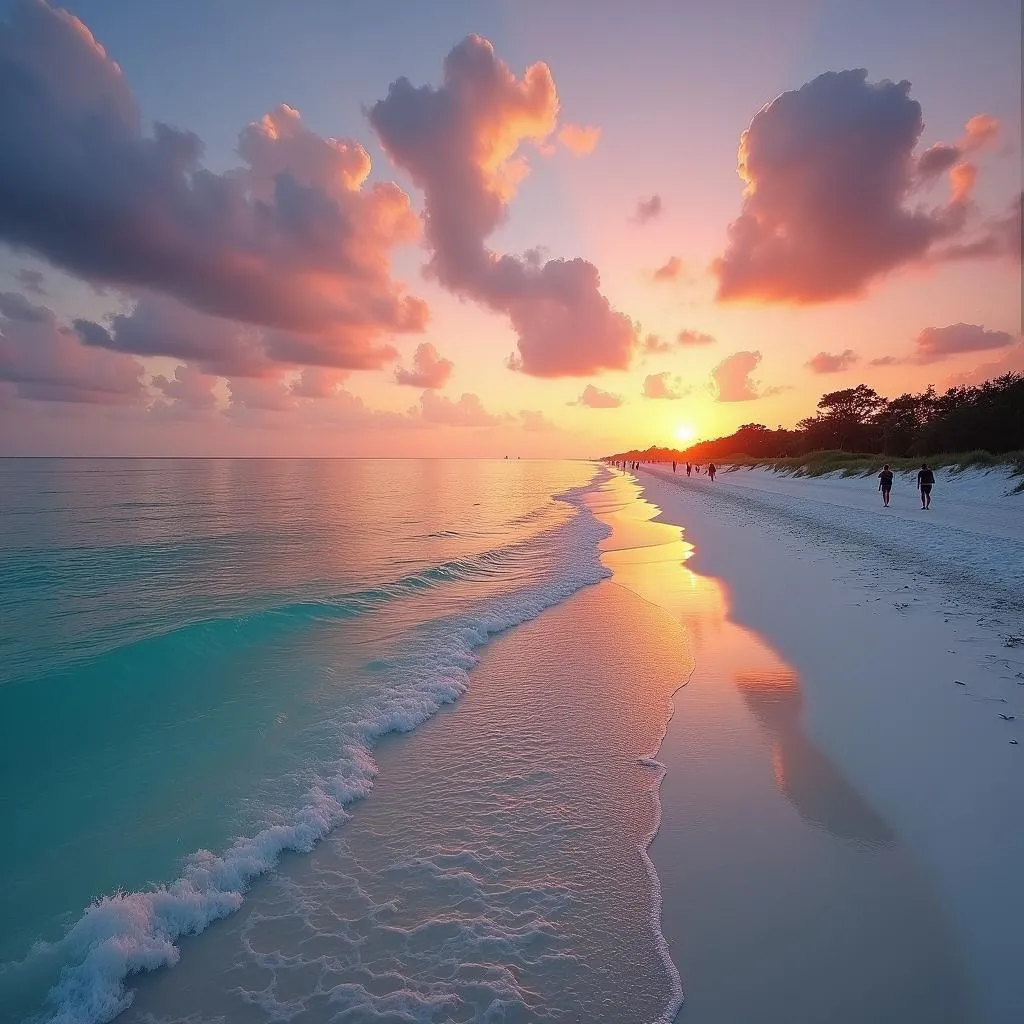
pixel 894 709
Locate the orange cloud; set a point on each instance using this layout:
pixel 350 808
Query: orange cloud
pixel 460 144
pixel 579 139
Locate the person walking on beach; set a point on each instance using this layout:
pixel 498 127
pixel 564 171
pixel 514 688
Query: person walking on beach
pixel 885 483
pixel 688 469
pixel 673 466
pixel 711 471
pixel 925 481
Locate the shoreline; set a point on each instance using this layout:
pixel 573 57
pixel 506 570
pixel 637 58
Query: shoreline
pixel 931 757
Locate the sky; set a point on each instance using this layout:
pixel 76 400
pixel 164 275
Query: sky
pixel 495 228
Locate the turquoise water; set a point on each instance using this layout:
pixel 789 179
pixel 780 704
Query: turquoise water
pixel 197 659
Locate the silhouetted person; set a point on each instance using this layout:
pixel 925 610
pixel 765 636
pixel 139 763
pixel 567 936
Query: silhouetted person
pixel 673 467
pixel 711 472
pixel 885 483
pixel 689 468
pixel 925 481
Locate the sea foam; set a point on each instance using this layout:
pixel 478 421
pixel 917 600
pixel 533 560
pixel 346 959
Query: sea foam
pixel 134 932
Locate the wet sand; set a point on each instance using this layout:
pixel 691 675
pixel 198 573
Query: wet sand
pixel 787 897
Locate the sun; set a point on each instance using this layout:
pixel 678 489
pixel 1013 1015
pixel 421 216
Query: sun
pixel 685 433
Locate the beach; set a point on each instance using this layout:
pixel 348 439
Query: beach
pixel 551 743
pixel 898 633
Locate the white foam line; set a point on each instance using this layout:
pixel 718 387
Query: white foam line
pixel 129 933
pixel 677 998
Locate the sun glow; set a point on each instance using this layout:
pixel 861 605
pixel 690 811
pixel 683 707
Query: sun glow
pixel 685 433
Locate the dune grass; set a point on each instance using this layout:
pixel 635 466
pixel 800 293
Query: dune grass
pixel 848 464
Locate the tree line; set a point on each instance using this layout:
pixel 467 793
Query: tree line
pixel 985 417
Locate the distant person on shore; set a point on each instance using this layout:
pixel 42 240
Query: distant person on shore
pixel 689 469
pixel 925 481
pixel 673 466
pixel 885 483
pixel 712 470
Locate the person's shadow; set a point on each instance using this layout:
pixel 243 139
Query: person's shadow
pixel 802 772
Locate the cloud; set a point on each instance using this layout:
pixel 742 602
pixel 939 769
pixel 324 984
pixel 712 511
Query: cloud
pixel 669 270
pixel 467 411
pixel 429 369
pixel 1011 361
pixel 579 139
pixel 460 143
pixel 595 398
pixel 886 361
pixel 46 362
pixel 689 339
pixel 259 394
pixel 159 326
pixel 998 237
pixel 936 343
pixel 317 382
pixel 654 344
pixel 647 210
pixel 664 385
pixel 188 391
pixel 937 159
pixel 535 420
pixel 732 380
pixel 31 280
pixel 294 239
pixel 829 362
pixel 829 170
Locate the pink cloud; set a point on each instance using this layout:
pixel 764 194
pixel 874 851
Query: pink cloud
pixel 595 398
pixel 669 270
pixel 467 411
pixel 295 239
pixel 533 419
pixel 935 343
pixel 429 368
pixel 188 391
pixel 829 170
pixel 579 139
pixel 689 339
pixel 664 385
pixel 656 345
pixel 647 210
pixel 833 362
pixel 732 378
pixel 317 382
pixel 45 361
pixel 259 394
pixel 1012 361
pixel 460 142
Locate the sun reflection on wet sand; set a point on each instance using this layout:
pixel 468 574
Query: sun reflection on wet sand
pixel 786 896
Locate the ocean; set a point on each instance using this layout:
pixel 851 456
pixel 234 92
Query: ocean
pixel 245 735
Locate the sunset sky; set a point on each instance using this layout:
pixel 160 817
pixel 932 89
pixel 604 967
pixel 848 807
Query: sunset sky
pixel 489 228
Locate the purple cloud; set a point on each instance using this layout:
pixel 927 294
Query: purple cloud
pixel 829 170
pixel 294 239
pixel 46 362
